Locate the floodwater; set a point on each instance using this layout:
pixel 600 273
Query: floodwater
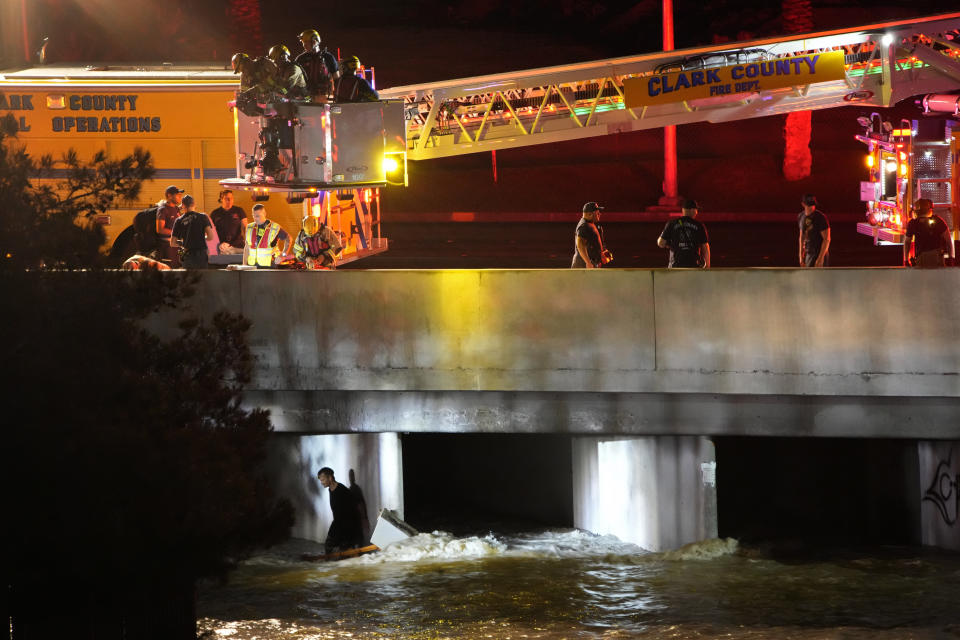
pixel 571 584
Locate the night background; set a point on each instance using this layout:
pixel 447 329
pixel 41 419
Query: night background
pixel 106 518
pixel 731 167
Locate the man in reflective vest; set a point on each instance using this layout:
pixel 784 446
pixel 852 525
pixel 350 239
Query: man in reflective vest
pixel 263 240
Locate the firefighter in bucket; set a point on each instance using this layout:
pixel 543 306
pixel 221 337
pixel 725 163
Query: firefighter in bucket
pixel 317 246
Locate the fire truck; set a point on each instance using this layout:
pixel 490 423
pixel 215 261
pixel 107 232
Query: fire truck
pixel 909 160
pixel 183 115
pixel 334 158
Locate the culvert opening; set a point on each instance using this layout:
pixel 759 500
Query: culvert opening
pixel 816 492
pixel 475 483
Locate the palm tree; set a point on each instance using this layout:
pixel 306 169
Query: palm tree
pixel 797 18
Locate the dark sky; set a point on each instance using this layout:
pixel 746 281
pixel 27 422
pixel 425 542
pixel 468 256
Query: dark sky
pixel 420 40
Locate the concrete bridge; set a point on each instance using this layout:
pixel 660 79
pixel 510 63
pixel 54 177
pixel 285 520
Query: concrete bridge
pixel 641 367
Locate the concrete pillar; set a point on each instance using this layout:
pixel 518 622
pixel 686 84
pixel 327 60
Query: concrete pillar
pixel 940 493
pixel 658 492
pixel 375 459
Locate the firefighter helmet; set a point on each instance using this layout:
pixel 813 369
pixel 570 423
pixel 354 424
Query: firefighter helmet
pixel 309 33
pixel 278 52
pixel 351 64
pixel 239 61
pixel 310 225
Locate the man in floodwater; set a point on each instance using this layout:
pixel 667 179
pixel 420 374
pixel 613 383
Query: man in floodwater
pixel 346 531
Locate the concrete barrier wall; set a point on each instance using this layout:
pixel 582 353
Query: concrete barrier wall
pixel 835 332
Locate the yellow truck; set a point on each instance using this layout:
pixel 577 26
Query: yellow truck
pixel 184 116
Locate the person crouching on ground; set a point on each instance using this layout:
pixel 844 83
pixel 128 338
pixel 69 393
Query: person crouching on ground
pixel 317 245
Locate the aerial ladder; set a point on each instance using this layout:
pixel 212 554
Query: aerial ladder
pixel 872 66
pixel 880 65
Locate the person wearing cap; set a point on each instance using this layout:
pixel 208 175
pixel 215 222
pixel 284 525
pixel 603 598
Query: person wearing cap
pixel 261 239
pixel 168 211
pixel 588 240
pixel 191 234
pixel 932 236
pixel 352 87
pixel 319 65
pixel 814 242
pixel 687 239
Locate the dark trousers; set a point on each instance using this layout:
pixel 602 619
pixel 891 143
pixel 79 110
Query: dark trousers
pixel 195 259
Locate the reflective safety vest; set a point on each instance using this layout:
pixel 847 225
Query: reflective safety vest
pixel 260 240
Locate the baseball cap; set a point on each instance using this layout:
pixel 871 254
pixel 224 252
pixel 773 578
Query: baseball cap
pixel 689 204
pixel 172 189
pixel 809 199
pixel 188 200
pixel 591 206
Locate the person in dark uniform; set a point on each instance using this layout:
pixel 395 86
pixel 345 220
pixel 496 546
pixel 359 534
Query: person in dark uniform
pixel 346 531
pixel 289 73
pixel 167 213
pixel 191 233
pixel 230 221
pixel 352 87
pixel 589 252
pixel 932 236
pixel 687 239
pixel 319 66
pixel 814 244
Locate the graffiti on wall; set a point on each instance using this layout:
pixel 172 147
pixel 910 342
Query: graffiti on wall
pixel 944 491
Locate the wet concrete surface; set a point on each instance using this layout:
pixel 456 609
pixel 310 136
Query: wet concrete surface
pixel 548 245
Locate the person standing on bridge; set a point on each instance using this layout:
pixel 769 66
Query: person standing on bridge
pixel 230 221
pixel 346 531
pixel 687 239
pixel 192 233
pixel 167 213
pixel 589 252
pixel 814 234
pixel 261 239
pixel 932 236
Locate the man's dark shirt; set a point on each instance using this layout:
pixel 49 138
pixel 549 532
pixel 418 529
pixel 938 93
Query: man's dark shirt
pixel 352 88
pixel 318 67
pixel 811 228
pixel 346 530
pixel 189 228
pixel 684 236
pixel 927 233
pixel 228 225
pixel 591 237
